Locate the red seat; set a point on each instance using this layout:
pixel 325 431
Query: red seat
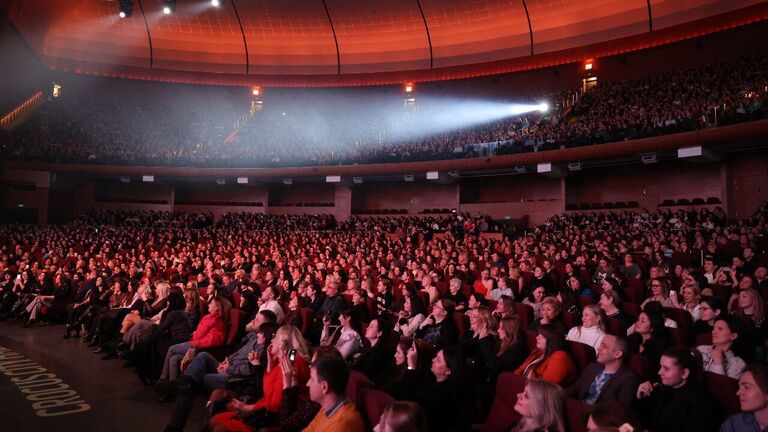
pixel 634 290
pixel 355 386
pixel 582 354
pixel 682 317
pixel 585 301
pixel 374 402
pixel 678 336
pixel 575 415
pixel 723 389
pixel 442 288
pixel 236 296
pixel 525 312
pixel 616 327
pixel 631 309
pixel 570 320
pixel 503 415
pixel 641 367
pixel 703 339
pixel 307 317
pixel 462 323
pixel 530 338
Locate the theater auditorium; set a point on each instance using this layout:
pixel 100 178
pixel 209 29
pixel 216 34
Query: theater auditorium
pixel 384 215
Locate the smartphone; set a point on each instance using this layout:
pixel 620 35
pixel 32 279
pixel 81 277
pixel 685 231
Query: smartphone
pixel 292 355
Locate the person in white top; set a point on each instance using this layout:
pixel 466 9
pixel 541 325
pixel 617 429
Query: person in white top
pixel 592 328
pixel 691 297
pixel 349 342
pixel 268 301
pixel 411 317
pixel 719 357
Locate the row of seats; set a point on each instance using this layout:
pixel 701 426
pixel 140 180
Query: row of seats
pixel 686 201
pixel 224 203
pixel 382 212
pixel 132 201
pixel 603 205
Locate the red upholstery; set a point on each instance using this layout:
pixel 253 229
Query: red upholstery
pixel 570 320
pixel 526 314
pixel 616 327
pixel 585 301
pixel 236 296
pixel 374 402
pixel 677 336
pixel 236 317
pixel 462 323
pixel 631 309
pixel 355 386
pixel 641 367
pixel 530 338
pixel 307 316
pixel 682 317
pixel 723 389
pixel 503 415
pixel 634 291
pixel 575 415
pixel 703 339
pixel 582 354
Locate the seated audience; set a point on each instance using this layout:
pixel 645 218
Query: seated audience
pixel 753 398
pixel 548 359
pixel 720 357
pixel 678 403
pixel 542 407
pixel 608 378
pixel 592 328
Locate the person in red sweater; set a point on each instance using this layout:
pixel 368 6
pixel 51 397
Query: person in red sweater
pixel 548 360
pixel 288 342
pixel 211 331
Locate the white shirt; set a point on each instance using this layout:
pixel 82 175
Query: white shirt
pixel 732 366
pixel 591 336
pixel 273 306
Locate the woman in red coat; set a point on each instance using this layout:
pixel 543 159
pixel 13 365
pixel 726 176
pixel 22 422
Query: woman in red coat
pixel 287 339
pixel 548 360
pixel 211 331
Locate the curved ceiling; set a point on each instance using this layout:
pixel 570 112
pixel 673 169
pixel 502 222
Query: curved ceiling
pixel 390 39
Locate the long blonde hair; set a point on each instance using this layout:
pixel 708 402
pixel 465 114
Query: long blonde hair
pixel 547 408
pixel 290 337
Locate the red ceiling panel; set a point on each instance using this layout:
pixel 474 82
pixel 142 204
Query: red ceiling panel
pixel 379 36
pixel 197 37
pixel 668 13
pixel 564 24
pixel 84 31
pixel 473 31
pixel 288 37
pixel 379 41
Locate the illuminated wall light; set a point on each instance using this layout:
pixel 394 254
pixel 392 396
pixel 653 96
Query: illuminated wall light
pixel 215 3
pixel 409 87
pixel 169 6
pixel 256 91
pixel 588 66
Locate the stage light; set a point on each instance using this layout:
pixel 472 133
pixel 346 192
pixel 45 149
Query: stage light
pixel 215 3
pixel 517 109
pixel 256 91
pixel 409 87
pixel 169 6
pixel 126 8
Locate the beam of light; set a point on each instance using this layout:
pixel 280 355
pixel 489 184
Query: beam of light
pixel 166 10
pixel 517 109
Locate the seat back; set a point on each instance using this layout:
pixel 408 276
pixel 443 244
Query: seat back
pixel 582 354
pixel 722 390
pixel 355 386
pixel 634 290
pixel 575 415
pixel 616 327
pixel 307 317
pixel 631 309
pixel 462 324
pixel 374 402
pixel 682 317
pixel 641 367
pixel 503 415
pixel 525 312
pixel 236 324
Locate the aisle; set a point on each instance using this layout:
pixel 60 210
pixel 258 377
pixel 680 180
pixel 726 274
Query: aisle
pixel 51 384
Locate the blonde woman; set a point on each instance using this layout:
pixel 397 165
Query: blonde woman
pixel 542 406
pixel 691 297
pixel 287 343
pixel 592 328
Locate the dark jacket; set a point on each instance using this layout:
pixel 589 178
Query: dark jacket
pixel 684 409
pixel 372 361
pixel 622 386
pixel 440 400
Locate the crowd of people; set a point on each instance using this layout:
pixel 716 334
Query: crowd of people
pixel 300 130
pixel 627 314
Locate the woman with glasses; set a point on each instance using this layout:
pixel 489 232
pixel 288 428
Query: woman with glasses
pixel 439 329
pixel 710 308
pixel 659 293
